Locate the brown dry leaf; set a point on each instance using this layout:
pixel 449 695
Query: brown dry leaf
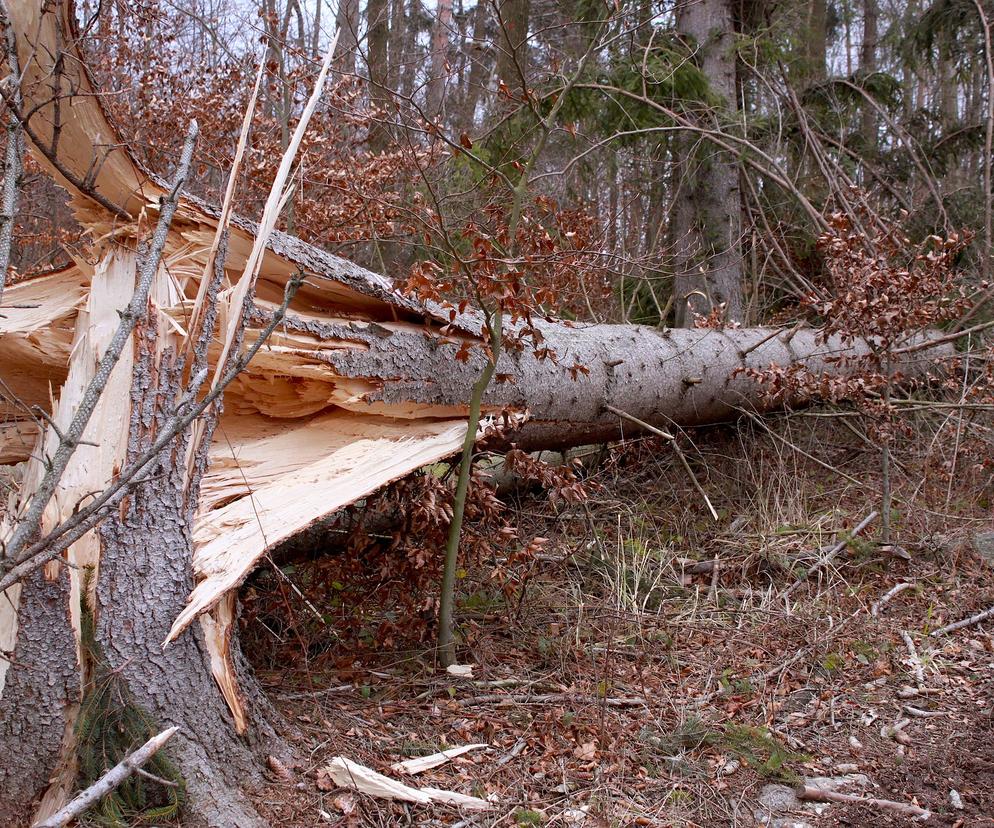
pixel 587 751
pixel 324 781
pixel 344 803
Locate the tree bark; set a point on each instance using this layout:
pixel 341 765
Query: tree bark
pixel 348 36
pixel 480 65
pixel 512 45
pixel 867 67
pixel 40 696
pixel 377 38
pixel 439 58
pixel 145 576
pixel 707 221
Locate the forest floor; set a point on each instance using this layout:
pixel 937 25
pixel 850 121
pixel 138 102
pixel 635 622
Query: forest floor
pixel 622 689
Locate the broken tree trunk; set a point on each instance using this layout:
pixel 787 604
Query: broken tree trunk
pixel 357 387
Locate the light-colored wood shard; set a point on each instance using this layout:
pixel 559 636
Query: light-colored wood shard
pixel 37 321
pixel 270 478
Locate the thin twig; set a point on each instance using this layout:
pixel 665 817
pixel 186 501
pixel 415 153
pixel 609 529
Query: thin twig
pixel 887 596
pixel 676 447
pixel 980 617
pixel 758 421
pixel 835 550
pixel 914 660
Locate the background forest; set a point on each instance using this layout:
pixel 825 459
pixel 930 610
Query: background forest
pixel 696 145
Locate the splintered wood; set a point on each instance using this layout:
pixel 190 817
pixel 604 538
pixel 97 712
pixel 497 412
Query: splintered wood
pixel 358 386
pixel 285 475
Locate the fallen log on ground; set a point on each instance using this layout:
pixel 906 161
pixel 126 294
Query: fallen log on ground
pixel 357 386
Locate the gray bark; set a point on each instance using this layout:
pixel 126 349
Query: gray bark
pixel 439 58
pixel 41 692
pixel 348 36
pixel 377 38
pixel 145 577
pixel 13 157
pixel 867 66
pixel 512 44
pixel 707 221
pixel 685 376
pixel 479 55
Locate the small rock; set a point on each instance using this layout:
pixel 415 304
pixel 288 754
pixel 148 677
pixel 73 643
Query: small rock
pixel 730 767
pixel 983 545
pixel 855 743
pixel 837 783
pixel 956 800
pixel 847 767
pixel 775 798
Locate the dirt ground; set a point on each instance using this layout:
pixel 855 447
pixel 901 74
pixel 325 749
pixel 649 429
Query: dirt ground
pixel 634 683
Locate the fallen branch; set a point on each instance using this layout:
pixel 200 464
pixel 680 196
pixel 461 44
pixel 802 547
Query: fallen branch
pixel 916 662
pixel 813 794
pixel 966 622
pixel 543 698
pixel 835 550
pixel 348 774
pixel 888 596
pixel 108 782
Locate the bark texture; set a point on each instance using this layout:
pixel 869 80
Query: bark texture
pixel 145 576
pixel 40 696
pixel 684 376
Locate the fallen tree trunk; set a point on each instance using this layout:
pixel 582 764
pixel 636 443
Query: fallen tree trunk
pixel 357 387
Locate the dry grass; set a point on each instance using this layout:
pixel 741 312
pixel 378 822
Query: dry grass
pixel 624 686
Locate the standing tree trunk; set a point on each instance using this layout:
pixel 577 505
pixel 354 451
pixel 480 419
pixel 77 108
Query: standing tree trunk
pixel 815 43
pixel 377 38
pixel 512 45
pixel 867 67
pixel 348 36
pixel 439 58
pixel 480 65
pixel 707 214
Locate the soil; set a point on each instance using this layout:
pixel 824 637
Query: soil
pixel 621 689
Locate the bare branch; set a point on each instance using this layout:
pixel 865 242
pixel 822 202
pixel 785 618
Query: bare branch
pixel 109 781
